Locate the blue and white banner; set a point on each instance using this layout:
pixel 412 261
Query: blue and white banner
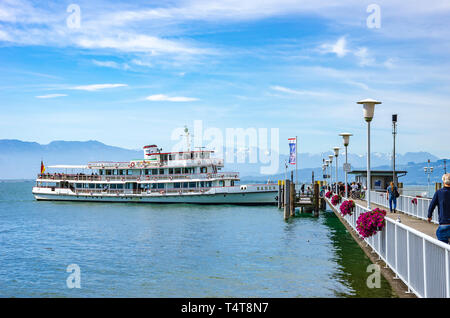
pixel 292 151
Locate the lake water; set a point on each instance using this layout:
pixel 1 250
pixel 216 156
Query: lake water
pixel 145 250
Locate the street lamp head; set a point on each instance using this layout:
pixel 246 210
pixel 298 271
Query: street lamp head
pixel 336 151
pixel 346 137
pixel 368 107
pixel 394 118
pixel 331 158
pixel 425 169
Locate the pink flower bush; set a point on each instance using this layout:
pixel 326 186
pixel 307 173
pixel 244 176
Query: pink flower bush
pixel 328 194
pixel 335 199
pixel 369 223
pixel 347 207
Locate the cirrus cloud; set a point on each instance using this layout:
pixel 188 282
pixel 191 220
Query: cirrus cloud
pixel 165 98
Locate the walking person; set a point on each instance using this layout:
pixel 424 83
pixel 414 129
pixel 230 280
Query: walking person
pixel 441 199
pixel 392 194
pixel 303 188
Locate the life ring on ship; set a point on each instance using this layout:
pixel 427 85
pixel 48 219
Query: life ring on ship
pixel 131 165
pixel 179 192
pixel 108 179
pixel 148 178
pixel 161 192
pixel 170 178
pixel 138 179
pixel 202 190
pixel 123 178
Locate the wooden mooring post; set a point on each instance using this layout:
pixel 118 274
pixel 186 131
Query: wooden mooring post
pixel 292 199
pixel 279 195
pixel 287 196
pixel 316 199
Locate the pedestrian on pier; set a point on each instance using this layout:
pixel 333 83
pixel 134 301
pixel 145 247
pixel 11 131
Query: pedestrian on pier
pixel 441 199
pixel 392 194
pixel 303 188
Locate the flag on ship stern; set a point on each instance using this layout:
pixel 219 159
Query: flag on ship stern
pixel 42 167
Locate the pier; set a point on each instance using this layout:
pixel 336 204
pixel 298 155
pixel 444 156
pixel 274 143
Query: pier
pixel 407 246
pixel 289 199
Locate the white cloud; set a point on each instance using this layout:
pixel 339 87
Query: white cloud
pixel 96 87
pixel 162 97
pixel 51 96
pixel 339 48
pixel 296 92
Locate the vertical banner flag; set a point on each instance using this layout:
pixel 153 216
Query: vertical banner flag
pixel 42 167
pixel 292 151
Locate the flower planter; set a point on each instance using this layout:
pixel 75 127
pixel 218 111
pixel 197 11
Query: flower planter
pixel 369 223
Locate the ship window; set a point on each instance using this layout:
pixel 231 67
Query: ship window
pixel 232 182
pixel 170 170
pixel 185 184
pixel 154 171
pixel 160 185
pixel 154 185
pixel 113 186
pixel 120 186
pixel 209 183
pixel 191 184
pixel 202 184
pixel 91 186
pixel 161 171
pixel 146 171
pixel 177 170
pixel 177 185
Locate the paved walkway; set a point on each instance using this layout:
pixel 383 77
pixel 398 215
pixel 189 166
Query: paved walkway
pixel 417 224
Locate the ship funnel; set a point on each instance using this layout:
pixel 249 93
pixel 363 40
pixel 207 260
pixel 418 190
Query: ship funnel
pixel 149 151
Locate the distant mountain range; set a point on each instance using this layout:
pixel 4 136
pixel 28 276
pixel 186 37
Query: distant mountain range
pixel 21 160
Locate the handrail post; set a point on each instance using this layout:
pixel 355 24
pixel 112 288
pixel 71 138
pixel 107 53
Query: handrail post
pixel 424 269
pixel 408 264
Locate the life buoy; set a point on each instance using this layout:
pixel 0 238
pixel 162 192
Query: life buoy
pixel 170 178
pixel 108 179
pixel 123 178
pixel 148 178
pixel 154 178
pixel 179 192
pixel 131 165
pixel 161 192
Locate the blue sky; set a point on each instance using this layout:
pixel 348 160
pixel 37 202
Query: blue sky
pixel 131 73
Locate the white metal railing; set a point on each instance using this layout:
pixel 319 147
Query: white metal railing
pixel 420 261
pixel 414 206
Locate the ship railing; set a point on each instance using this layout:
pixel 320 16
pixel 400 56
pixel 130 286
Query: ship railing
pixel 419 260
pixel 146 164
pixel 414 206
pixel 168 177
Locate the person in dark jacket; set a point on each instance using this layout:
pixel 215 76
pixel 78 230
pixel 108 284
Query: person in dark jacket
pixel 441 199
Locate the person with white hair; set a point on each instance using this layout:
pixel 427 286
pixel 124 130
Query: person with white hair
pixel 441 199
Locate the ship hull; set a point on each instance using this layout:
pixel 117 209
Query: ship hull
pixel 249 198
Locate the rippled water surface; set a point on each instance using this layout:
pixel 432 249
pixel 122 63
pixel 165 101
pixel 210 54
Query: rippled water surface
pixel 145 250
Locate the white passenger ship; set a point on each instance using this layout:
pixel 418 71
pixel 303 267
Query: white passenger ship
pixel 171 177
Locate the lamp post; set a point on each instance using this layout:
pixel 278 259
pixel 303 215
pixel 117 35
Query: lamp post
pixel 346 137
pixel 336 154
pixel 428 171
pixel 394 132
pixel 327 162
pixel 331 170
pixel 368 110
